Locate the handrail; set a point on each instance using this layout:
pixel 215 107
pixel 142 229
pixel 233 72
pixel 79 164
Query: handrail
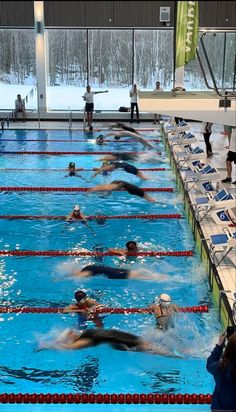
pixel 203 72
pixel 70 119
pixel 226 94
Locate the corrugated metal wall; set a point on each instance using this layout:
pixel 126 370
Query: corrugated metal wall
pixel 219 14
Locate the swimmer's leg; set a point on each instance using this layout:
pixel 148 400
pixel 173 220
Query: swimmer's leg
pixel 142 176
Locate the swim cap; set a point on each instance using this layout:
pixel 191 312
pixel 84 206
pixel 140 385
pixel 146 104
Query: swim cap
pixel 100 136
pixel 71 164
pixel 76 208
pixel 164 299
pixel 131 244
pixel 79 295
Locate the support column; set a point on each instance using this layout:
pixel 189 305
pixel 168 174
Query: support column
pixel 40 53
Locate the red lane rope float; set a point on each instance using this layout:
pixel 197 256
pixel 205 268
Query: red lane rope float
pixel 154 169
pixel 68 153
pixel 106 398
pixel 72 189
pixel 116 311
pixel 98 217
pixel 76 140
pixel 90 253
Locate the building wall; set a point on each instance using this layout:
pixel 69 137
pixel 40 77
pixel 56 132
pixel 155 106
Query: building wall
pixel 216 14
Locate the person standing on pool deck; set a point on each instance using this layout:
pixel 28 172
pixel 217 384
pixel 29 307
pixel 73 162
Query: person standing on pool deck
pixel 89 104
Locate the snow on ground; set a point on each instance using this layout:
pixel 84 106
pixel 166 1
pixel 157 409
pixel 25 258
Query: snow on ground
pixel 63 97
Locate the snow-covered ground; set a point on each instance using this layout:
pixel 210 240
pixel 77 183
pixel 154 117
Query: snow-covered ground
pixel 63 97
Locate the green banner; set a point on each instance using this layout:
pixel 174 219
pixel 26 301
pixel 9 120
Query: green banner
pixel 186 32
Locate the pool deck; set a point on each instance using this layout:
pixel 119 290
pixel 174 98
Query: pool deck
pixel 226 270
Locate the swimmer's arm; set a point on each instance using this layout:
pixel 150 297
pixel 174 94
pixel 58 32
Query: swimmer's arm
pixel 144 142
pixel 151 308
pixel 82 273
pixel 175 308
pixel 69 217
pixel 71 308
pixel 103 187
pixel 119 134
pixel 102 169
pixel 158 350
pixel 150 199
pixel 83 217
pixel 79 169
pixel 79 344
pixel 121 252
pixel 155 309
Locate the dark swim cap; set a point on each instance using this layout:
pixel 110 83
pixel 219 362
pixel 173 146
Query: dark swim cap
pixel 131 242
pixel 71 164
pixel 79 295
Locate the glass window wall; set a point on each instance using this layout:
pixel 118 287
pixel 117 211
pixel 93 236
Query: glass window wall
pixel 67 68
pixel 110 67
pixel 17 68
pixel 153 58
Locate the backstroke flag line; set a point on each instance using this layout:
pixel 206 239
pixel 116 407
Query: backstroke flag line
pixel 186 32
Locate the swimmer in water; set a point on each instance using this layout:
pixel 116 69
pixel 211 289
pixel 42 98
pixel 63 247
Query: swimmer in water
pixel 85 307
pixel 76 214
pixel 72 169
pixel 118 339
pixel 121 185
pixel 134 135
pixel 115 273
pixel 100 139
pixel 163 309
pixel 131 247
pixel 120 156
pixel 120 164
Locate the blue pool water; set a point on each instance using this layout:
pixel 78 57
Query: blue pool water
pixel 40 281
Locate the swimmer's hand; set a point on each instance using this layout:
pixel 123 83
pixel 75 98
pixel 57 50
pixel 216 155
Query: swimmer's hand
pixel 222 338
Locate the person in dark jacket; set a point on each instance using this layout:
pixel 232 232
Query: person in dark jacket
pixel 222 365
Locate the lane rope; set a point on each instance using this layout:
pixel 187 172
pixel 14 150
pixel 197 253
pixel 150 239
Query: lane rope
pixel 77 140
pixel 98 217
pixel 91 253
pixel 25 309
pixel 154 169
pixel 49 153
pixel 106 398
pixel 72 189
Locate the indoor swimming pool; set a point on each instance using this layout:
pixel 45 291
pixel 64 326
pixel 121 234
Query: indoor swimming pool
pixel 35 221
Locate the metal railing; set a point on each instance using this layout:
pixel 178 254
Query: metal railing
pixel 226 94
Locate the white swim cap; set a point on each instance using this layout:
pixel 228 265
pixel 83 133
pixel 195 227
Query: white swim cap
pixel 164 299
pixel 76 208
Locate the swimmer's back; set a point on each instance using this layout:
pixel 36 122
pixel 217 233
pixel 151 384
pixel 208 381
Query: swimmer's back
pixel 113 336
pixel 132 189
pixel 111 273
